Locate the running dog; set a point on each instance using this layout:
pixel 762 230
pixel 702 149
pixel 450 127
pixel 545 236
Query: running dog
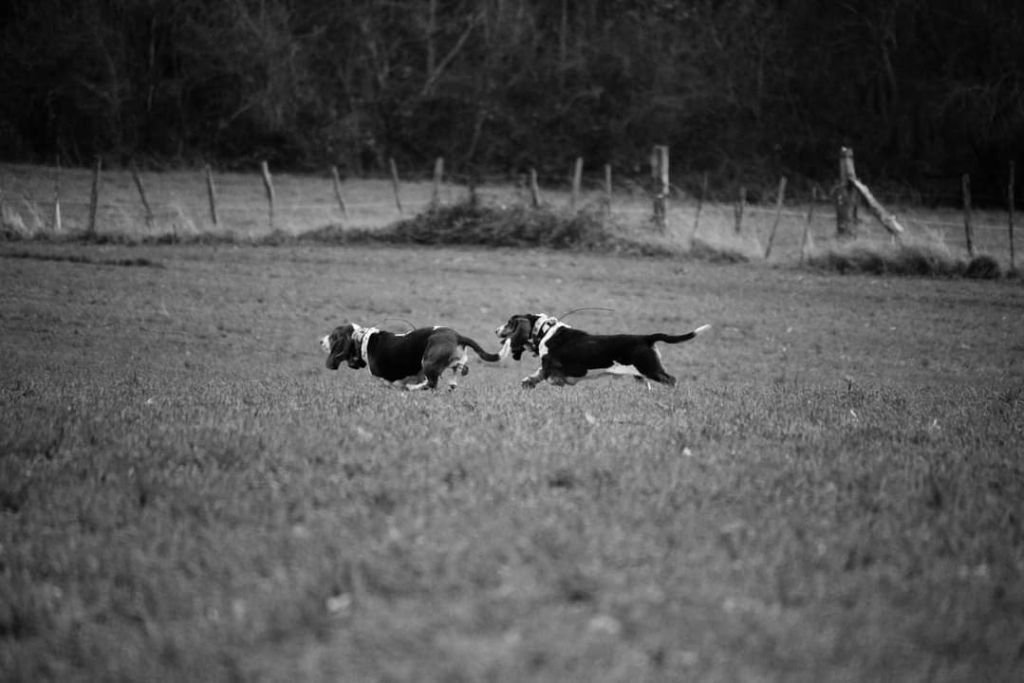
pixel 568 355
pixel 413 360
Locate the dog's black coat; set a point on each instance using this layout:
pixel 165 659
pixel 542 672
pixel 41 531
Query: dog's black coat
pixel 422 353
pixel 568 354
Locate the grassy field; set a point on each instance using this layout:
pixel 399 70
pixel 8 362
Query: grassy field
pixel 833 492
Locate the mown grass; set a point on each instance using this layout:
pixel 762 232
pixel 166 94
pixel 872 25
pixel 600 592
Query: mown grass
pixel 834 491
pixel 723 534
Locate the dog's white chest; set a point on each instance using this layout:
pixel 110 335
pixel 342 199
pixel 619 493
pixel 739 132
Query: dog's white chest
pixel 542 347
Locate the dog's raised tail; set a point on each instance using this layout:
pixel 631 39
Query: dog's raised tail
pixel 676 338
pixel 489 357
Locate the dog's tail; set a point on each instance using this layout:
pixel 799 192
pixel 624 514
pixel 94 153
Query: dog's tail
pixel 675 338
pixel 489 357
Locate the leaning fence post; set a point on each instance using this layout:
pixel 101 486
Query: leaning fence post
pixel 856 188
pixel 142 196
pixel 778 216
pixel 337 191
pixel 394 184
pixel 211 194
pixel 965 187
pixel 94 197
pixel 268 185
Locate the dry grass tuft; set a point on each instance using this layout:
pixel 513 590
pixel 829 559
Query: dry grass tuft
pixel 472 223
pixel 921 257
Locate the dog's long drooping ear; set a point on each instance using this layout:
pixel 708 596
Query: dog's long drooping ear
pixel 516 333
pixel 341 348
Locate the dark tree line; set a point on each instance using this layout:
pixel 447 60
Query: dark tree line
pixel 924 90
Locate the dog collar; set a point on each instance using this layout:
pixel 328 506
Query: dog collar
pixel 549 332
pixel 543 326
pixel 361 336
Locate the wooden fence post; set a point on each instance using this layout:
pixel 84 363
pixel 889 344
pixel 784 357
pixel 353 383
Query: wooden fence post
pixel 806 241
pixel 394 183
pixel 660 175
pixel 435 197
pixel 142 196
pixel 337 191
pixel 700 205
pixel 608 187
pixel 778 216
pixel 845 197
pixel 740 207
pixel 965 187
pixel 268 185
pixel 534 189
pixel 94 197
pixel 848 179
pixel 56 199
pixel 211 194
pixel 1010 206
pixel 577 180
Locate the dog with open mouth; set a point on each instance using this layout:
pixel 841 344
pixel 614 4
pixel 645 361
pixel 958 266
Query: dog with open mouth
pixel 568 355
pixel 412 360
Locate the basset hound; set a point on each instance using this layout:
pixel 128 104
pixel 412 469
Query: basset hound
pixel 568 355
pixel 413 360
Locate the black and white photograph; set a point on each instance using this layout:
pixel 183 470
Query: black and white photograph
pixel 511 341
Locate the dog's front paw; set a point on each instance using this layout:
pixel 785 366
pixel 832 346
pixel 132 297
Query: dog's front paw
pixel 528 383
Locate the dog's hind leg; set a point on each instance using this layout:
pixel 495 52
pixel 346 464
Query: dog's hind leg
pixel 646 382
pixel 649 365
pixel 458 366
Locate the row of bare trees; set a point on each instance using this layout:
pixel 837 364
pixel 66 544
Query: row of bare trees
pixel 746 89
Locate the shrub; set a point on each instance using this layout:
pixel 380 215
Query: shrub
pixel 983 267
pixel 471 223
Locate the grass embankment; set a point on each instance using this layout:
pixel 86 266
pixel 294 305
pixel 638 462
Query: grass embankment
pixel 471 223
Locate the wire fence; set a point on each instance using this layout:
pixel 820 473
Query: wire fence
pixel 46 200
